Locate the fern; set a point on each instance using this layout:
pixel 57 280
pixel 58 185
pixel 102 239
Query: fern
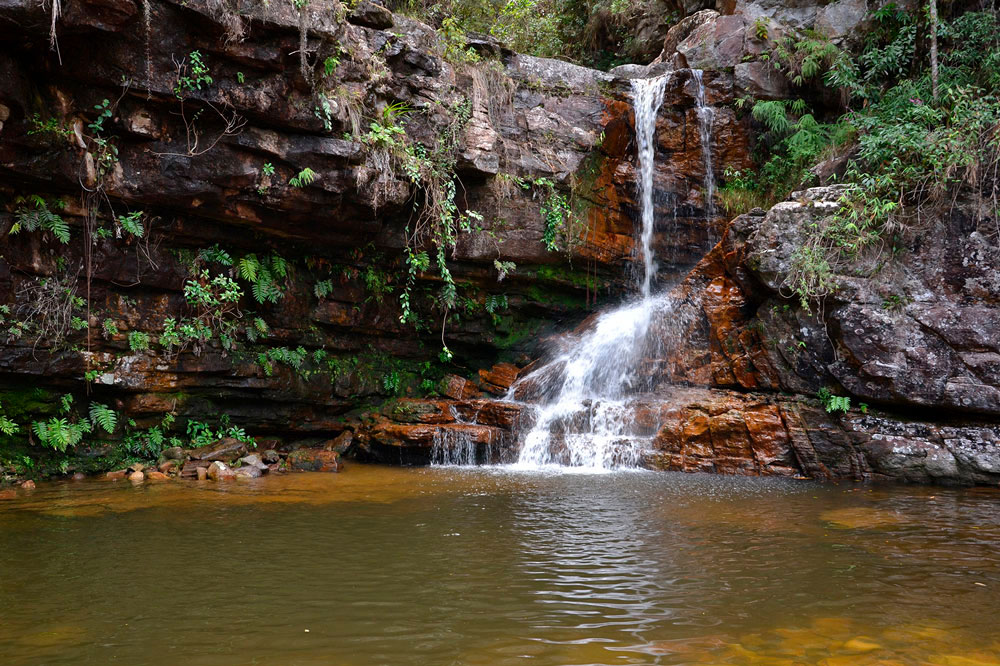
pixel 103 416
pixel 323 288
pixel 833 403
pixel 248 267
pixel 60 434
pixel 773 115
pixel 215 254
pixel 132 223
pixel 34 214
pixel 279 266
pixel 263 275
pixel 305 177
pixel 8 427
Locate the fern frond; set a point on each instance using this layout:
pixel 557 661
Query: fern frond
pixel 248 267
pixel 104 417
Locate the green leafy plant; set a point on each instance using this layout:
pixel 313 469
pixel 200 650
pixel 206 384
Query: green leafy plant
pixel 323 288
pixel 189 80
pixel 330 64
pixel 109 328
pixel 7 427
pixel 833 404
pixel 132 224
pixel 103 417
pixel 303 178
pixel 104 113
pixel 33 214
pixel 265 275
pixel 138 341
pixel 59 433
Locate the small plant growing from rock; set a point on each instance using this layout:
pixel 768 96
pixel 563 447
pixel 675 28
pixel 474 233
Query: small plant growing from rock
pixel 834 404
pixel 138 341
pixel 189 80
pixel 303 178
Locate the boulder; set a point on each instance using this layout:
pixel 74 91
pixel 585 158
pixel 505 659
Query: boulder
pixel 28 485
pixel 253 460
pixel 313 460
pixel 116 475
pixel 499 378
pixel 342 442
pixel 722 42
pixel 220 471
pixel 458 388
pixel 270 457
pixel 173 453
pixel 798 14
pixel 371 15
pixel 167 466
pixel 201 473
pixel 760 80
pixel 137 477
pixel 156 476
pixel 249 472
pixel 225 450
pixel 136 467
pixel 842 19
pixel 681 30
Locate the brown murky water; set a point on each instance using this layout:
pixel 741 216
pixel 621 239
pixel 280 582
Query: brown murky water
pixel 457 566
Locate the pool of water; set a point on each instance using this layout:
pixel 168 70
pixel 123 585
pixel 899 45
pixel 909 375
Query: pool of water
pixel 486 566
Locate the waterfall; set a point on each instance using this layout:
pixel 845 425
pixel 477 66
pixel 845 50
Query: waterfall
pixel 706 116
pixel 588 392
pixel 647 96
pixel 453 447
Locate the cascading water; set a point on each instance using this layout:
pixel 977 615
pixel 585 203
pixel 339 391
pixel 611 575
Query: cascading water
pixel 647 96
pixel 706 117
pixel 588 391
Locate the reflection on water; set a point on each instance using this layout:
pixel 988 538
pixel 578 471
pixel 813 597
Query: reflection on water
pixel 484 566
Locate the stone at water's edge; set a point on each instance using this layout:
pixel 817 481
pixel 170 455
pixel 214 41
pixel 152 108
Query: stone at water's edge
pixel 225 450
pixel 757 434
pixel 311 460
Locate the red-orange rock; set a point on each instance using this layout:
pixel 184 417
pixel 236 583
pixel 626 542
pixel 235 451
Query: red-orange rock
pixel 220 471
pixel 156 476
pixel 314 460
pixel 458 388
pixel 499 378
pixel 137 477
pixel 116 475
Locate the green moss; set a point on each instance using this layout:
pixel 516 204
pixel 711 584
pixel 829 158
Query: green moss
pixel 566 275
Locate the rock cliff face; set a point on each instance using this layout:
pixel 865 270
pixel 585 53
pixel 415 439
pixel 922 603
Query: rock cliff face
pixel 211 116
pixel 234 146
pixel 742 363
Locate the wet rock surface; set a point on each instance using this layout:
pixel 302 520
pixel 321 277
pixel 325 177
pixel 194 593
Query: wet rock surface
pixel 917 342
pixel 567 124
